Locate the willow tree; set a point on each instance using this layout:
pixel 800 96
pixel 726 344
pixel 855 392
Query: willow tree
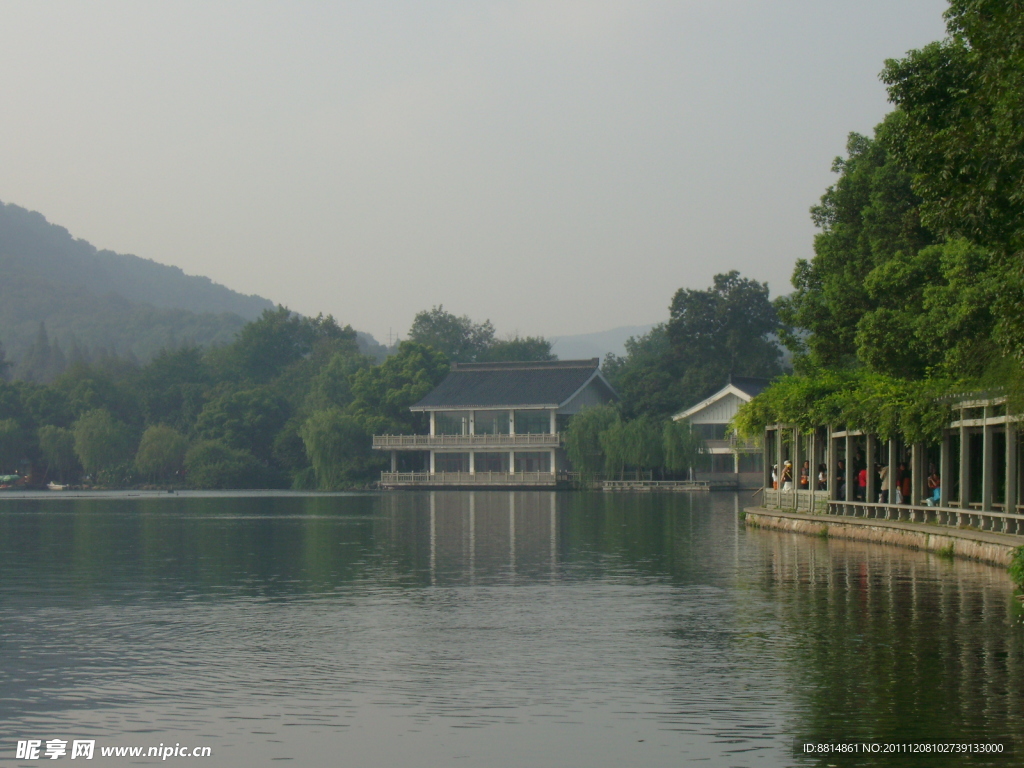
pixel 337 445
pixel 583 438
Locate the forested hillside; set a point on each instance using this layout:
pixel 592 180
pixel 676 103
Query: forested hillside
pixel 97 300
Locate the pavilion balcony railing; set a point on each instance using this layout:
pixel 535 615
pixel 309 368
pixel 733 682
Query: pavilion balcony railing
pixel 732 444
pixel 466 478
pixel 817 502
pixel 424 442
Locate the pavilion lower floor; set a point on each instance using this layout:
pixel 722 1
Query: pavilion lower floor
pixel 513 468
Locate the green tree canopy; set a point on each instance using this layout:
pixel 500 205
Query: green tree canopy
pixel 583 438
pixel 382 395
pixel 726 329
pixel 13 446
pixel 338 447
pixel 247 419
pixel 957 129
pixel 101 442
pixel 215 464
pixel 161 453
pixel 280 338
pixel 458 338
pixel 57 445
pixel 518 349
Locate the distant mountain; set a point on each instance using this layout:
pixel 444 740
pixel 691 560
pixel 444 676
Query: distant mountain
pixel 587 345
pixel 100 300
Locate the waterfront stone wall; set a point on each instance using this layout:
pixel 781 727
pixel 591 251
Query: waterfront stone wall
pixel 993 548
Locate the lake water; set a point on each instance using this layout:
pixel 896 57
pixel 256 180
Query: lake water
pixel 488 629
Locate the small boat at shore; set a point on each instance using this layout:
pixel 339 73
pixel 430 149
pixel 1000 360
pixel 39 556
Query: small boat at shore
pixel 56 486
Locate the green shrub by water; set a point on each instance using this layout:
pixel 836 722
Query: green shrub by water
pixel 1016 568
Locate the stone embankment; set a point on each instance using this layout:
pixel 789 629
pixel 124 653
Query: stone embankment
pixel 995 548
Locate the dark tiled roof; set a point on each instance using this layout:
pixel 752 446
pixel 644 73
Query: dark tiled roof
pixel 752 385
pixel 502 385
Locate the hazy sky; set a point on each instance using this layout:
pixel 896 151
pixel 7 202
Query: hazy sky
pixel 558 166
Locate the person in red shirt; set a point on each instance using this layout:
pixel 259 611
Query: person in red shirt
pixel 862 484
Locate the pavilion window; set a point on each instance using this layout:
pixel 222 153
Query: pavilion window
pixel 451 462
pixel 491 462
pixel 491 423
pixel 451 423
pixel 533 461
pixel 533 422
pixel 710 431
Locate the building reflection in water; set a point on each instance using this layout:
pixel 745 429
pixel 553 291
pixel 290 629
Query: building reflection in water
pixel 892 643
pixel 470 536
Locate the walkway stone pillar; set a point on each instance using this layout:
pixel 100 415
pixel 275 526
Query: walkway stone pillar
pixel 918 472
pixel 851 476
pixel 892 479
pixel 766 465
pixel 833 466
pixel 988 465
pixel 965 480
pixel 797 461
pixel 871 458
pixel 778 456
pixel 945 469
pixel 1012 472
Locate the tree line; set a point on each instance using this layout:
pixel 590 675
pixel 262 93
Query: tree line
pixel 290 403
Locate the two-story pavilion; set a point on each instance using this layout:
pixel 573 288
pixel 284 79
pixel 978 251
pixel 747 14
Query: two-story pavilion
pixel 496 424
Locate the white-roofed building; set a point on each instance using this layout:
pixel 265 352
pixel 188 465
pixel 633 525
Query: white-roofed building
pixel 731 458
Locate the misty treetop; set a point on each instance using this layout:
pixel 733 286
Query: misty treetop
pixel 728 328
pixel 463 341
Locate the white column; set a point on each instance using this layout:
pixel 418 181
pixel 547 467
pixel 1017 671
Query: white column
pixel 511 422
pixel 431 462
pixel 512 462
pixel 472 462
pixel 394 461
pixel 432 424
pixel 552 422
pixel 553 472
pixel 472 422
